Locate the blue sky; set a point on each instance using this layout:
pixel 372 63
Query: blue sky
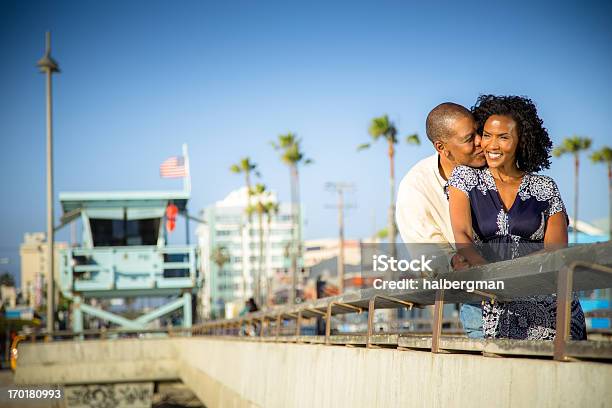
pixel 139 78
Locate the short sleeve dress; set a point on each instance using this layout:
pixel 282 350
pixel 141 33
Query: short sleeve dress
pixel 501 234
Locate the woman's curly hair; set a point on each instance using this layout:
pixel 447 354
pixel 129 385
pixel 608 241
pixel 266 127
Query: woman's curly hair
pixel 533 150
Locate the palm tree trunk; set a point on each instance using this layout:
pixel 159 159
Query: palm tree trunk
pixel 260 268
pixel 243 251
pixel 294 232
pixel 268 291
pixel 392 315
pixel 392 234
pixel 576 173
pixel 609 201
pixel 247 176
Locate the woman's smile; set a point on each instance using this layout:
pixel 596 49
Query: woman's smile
pixel 494 155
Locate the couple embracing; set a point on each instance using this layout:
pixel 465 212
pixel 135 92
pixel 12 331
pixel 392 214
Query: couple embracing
pixel 481 193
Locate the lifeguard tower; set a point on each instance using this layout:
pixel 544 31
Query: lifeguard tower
pixel 125 254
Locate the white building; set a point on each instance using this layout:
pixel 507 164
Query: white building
pixel 33 253
pixel 317 250
pixel 228 226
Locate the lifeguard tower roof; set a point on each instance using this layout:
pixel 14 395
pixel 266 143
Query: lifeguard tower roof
pixel 81 200
pixel 111 204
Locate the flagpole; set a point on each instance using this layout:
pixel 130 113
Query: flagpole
pixel 187 188
pixel 187 178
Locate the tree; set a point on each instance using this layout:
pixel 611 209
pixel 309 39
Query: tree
pixel 262 197
pixel 292 155
pixel 7 279
pixel 574 145
pixel 383 128
pixel 604 155
pixel 220 256
pixel 246 166
pixel 271 209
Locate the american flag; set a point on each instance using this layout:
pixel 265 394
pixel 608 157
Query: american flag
pixel 173 167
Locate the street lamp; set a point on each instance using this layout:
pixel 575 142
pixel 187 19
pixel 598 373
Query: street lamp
pixel 48 66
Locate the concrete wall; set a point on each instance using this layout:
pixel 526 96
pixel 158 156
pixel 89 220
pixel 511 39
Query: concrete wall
pixel 302 375
pixel 97 361
pixel 236 373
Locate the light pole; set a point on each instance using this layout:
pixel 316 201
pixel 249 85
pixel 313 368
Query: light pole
pixel 48 66
pixel 340 188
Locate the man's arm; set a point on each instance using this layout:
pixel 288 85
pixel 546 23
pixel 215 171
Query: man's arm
pixel 414 220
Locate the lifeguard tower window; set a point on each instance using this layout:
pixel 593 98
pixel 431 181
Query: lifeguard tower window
pixel 124 232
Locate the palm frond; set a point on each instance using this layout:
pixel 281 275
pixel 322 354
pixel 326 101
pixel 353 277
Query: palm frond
pixel 572 145
pixel 289 147
pixel 603 155
pixel 383 127
pixel 413 139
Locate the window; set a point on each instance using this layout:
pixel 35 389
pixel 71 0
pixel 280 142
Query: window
pixel 124 232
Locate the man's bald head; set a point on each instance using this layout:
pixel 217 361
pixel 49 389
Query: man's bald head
pixel 442 118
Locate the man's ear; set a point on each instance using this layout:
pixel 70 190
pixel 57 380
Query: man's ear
pixel 439 146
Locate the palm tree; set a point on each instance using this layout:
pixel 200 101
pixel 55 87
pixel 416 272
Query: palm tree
pixel 382 127
pixel 220 256
pixel 271 209
pixel 604 155
pixel 262 197
pixel 246 166
pixel 574 145
pixel 7 279
pixel 292 155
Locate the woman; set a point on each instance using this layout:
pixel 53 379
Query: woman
pixel 505 210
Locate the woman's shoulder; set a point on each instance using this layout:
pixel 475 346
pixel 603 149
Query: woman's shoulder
pixel 467 172
pixel 465 178
pixel 541 187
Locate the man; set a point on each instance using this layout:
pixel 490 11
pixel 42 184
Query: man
pixel 421 211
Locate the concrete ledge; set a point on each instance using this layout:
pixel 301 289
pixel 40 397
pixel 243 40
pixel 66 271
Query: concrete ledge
pixel 211 392
pixel 237 373
pixel 306 375
pixel 97 362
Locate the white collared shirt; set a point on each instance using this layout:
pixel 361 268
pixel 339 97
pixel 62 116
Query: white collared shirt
pixel 421 210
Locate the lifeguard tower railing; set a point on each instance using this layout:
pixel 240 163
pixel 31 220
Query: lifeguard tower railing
pixel 124 254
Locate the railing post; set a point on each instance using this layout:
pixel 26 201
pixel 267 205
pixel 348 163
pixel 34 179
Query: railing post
pixel 278 324
pixel 564 301
pixel 371 309
pixel 328 315
pixel 328 322
pixel 437 321
pixel 298 324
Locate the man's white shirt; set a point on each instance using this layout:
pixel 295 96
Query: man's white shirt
pixel 421 210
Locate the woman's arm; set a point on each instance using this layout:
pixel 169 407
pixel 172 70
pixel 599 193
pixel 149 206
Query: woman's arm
pixel 461 222
pixel 556 232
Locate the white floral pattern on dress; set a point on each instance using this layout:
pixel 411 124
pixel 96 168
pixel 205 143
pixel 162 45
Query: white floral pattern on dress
pixel 539 233
pixel 502 223
pixel 463 178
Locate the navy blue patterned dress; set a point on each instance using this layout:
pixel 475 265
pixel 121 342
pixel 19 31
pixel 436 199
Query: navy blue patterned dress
pixel 502 235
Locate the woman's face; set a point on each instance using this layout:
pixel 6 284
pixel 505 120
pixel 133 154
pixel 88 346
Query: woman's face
pixel 499 141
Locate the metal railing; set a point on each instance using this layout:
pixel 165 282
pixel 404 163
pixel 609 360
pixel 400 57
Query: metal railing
pixel 556 271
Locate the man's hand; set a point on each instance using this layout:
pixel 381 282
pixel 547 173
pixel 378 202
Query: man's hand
pixel 458 262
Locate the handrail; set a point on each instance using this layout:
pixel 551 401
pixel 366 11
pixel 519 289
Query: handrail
pixel 550 263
